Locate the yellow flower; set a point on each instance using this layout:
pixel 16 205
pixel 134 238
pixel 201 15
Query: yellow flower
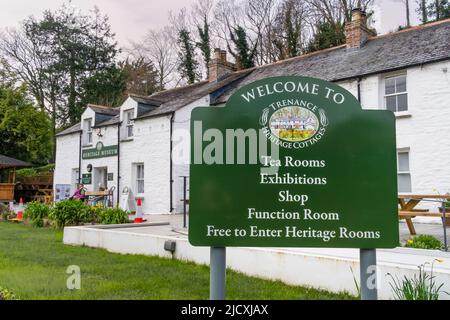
pixel 410 241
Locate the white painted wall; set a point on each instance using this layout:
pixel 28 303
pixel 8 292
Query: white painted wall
pixel 181 150
pixel 67 151
pixel 150 146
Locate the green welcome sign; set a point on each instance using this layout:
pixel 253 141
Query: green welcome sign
pixel 293 162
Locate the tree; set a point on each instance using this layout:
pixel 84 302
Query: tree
pixel 204 43
pixel 244 55
pixel 56 55
pixel 260 28
pixel 328 35
pixel 83 46
pixel 140 76
pixel 434 11
pixel 290 25
pixel 25 131
pixel 188 66
pixel 158 47
pixel 106 87
pixel 408 19
pixel 422 9
pixel 439 10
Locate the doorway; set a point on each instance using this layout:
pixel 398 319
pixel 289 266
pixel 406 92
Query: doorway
pixel 100 179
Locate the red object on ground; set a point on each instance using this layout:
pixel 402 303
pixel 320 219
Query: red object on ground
pixel 139 216
pixel 20 211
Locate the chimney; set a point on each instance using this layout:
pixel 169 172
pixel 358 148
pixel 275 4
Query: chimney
pixel 219 66
pixel 356 31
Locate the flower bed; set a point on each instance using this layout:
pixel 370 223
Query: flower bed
pixel 72 213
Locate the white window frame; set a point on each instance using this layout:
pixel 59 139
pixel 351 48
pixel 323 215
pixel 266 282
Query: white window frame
pixel 89 131
pixel 395 94
pixel 404 173
pixel 129 124
pixel 139 180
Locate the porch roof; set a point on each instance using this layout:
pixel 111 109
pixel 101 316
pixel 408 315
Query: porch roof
pixel 8 162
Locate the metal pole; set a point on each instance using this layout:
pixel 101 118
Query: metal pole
pixel 444 223
pixel 368 272
pixel 217 286
pixel 184 202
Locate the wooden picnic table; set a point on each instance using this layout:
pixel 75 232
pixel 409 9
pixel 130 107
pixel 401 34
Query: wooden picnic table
pixel 409 202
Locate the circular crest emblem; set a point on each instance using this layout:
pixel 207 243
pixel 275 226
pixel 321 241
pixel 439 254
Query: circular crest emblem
pixel 294 126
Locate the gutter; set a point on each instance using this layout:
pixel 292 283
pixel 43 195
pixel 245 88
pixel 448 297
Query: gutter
pixel 172 118
pixel 79 157
pixel 359 89
pixel 118 164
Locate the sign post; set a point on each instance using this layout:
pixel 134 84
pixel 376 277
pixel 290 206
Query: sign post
pixel 218 268
pixel 293 162
pixel 368 271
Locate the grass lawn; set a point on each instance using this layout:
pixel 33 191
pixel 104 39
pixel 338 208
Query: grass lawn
pixel 33 264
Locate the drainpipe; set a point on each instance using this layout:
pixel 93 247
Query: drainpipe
pixel 118 164
pixel 79 158
pixel 359 89
pixel 172 118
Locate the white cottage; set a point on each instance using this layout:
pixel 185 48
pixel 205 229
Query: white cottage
pixel 144 144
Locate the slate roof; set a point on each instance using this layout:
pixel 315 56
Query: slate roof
pixel 8 162
pixel 181 97
pixel 104 110
pixel 146 100
pixel 73 129
pixel 109 122
pixel 394 51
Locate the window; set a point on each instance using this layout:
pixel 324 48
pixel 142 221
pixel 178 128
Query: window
pixel 395 95
pixel 404 175
pixel 140 178
pixel 129 115
pixel 88 132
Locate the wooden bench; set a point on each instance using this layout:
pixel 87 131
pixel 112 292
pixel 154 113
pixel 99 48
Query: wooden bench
pixel 408 203
pixel 408 215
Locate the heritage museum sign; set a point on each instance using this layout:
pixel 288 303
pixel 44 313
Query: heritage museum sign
pixel 100 151
pixel 293 162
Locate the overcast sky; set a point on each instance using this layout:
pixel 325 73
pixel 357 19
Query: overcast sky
pixel 130 19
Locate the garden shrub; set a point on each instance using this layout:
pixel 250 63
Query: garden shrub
pixel 424 242
pixel 111 216
pixel 6 295
pixel 37 212
pixel 71 213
